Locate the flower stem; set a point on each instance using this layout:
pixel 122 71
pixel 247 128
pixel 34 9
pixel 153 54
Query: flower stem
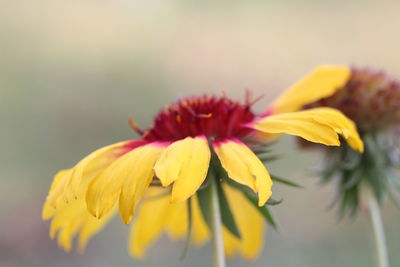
pixel 216 227
pixel 379 233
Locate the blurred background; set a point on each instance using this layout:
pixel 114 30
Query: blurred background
pixel 72 71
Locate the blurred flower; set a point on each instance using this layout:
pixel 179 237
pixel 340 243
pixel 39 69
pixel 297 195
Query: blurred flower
pixel 192 143
pixel 372 100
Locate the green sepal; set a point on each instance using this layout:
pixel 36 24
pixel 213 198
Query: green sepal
pixel 377 180
pixel 394 180
pixel 269 158
pixel 284 181
pixel 351 160
pixel 273 202
pixel 349 202
pixel 253 199
pixel 227 217
pixel 226 214
pixel 261 150
pixel 204 204
pixel 263 210
pixel 374 168
pixel 353 178
pixel 249 194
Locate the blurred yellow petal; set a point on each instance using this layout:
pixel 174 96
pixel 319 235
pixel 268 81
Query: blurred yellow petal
pixel 67 233
pixel 72 219
pixel 157 214
pixel 137 176
pixel 250 224
pixel 48 211
pixel 61 191
pixel 177 222
pixel 58 182
pixel 322 82
pixel 193 171
pixel 150 221
pixel 65 216
pixel 231 243
pixel 319 125
pixel 54 197
pixel 201 233
pixel 104 190
pixel 91 226
pixel 243 166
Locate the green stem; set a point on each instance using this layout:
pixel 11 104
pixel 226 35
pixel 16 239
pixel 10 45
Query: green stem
pixel 216 227
pixel 379 233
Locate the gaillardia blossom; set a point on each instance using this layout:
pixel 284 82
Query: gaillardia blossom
pixel 372 100
pixel 193 143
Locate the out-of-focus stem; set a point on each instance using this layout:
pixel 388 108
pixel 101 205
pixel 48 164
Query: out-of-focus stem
pixel 379 233
pixel 216 227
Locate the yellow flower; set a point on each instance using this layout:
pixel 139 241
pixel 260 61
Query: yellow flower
pixel 165 170
pixel 372 100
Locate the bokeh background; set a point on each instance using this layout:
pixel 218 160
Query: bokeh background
pixel 72 71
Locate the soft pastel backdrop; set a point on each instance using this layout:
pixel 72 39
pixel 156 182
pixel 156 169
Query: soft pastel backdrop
pixel 72 71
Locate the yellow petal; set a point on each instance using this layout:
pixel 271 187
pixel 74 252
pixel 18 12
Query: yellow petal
pixel 176 224
pixel 322 82
pixel 172 160
pixel 104 190
pixel 67 233
pixel 319 125
pixel 61 191
pixel 250 225
pixel 157 214
pixel 48 211
pixel 231 243
pixel 243 166
pixel 54 197
pixel 342 125
pixel 57 184
pixel 137 178
pixel 201 233
pixel 237 169
pixel 72 219
pixel 150 221
pixel 193 171
pixel 91 226
pixel 93 163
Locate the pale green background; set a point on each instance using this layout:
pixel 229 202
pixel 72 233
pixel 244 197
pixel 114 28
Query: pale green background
pixel 72 71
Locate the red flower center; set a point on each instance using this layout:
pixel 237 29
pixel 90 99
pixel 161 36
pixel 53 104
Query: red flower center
pixel 215 117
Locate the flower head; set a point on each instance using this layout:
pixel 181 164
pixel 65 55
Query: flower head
pixel 372 100
pixel 168 170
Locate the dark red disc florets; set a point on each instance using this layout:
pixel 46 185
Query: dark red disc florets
pixel 215 117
